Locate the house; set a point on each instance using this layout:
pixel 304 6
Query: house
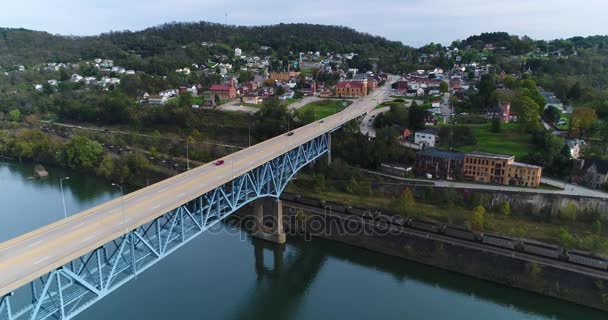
pixel 590 172
pixel 237 52
pixel 224 92
pixel 283 76
pixel 440 164
pixel 157 100
pixel 38 87
pixel 436 104
pixel 76 78
pixel 502 112
pixel 53 82
pixel 351 89
pixel 309 88
pixel 575 146
pixel 252 99
pixel 426 138
pixel 287 95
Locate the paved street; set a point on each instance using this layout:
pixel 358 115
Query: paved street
pixel 367 124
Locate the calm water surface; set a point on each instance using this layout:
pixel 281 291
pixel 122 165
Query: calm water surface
pixel 227 275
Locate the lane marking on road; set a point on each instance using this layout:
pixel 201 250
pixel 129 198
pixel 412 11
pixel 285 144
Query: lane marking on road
pixel 156 206
pixel 181 195
pixel 88 238
pixel 35 243
pixel 39 261
pixel 114 210
pixel 78 225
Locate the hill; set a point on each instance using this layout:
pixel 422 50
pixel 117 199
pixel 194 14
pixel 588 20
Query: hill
pixel 179 43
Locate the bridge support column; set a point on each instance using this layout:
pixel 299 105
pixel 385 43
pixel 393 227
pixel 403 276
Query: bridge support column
pixel 274 232
pixel 329 149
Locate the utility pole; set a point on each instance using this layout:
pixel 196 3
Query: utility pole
pixel 187 156
pixel 65 212
pixel 122 210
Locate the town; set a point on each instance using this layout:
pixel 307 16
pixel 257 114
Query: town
pixel 486 156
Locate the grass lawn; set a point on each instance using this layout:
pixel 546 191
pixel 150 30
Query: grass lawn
pixel 510 140
pixel 324 108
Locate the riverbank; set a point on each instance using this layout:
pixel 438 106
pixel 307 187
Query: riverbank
pixel 517 270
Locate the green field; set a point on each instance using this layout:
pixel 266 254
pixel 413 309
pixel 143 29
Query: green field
pixel 323 108
pixel 510 140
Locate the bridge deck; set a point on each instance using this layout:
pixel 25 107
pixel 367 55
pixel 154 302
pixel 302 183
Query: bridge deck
pixel 27 257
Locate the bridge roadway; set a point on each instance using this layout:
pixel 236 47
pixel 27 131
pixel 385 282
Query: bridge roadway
pixel 34 254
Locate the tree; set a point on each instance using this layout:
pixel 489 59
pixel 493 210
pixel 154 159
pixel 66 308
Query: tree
pixel 575 91
pixel 14 115
pixel 528 114
pixel 505 208
pixel 81 152
pixel 552 114
pixel 568 212
pixel 566 240
pixel 582 121
pixel 443 87
pixel 478 217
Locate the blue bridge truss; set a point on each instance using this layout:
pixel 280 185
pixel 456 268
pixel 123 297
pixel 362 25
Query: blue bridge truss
pixel 70 289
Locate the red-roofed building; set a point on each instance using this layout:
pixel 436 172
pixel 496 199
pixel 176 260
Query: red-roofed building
pixel 224 92
pixel 351 89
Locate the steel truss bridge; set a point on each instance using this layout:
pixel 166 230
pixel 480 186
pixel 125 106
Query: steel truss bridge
pixel 61 269
pixel 71 288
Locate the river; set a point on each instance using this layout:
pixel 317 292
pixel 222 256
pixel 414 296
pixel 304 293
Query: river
pixel 219 275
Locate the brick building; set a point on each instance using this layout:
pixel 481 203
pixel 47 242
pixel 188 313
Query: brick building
pixel 439 163
pixel 351 89
pixel 502 169
pixel 224 92
pixel 284 76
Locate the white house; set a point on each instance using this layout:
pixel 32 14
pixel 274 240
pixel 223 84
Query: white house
pixel 53 82
pixel 38 87
pixel 426 138
pixel 238 52
pixel 575 147
pixel 436 104
pixel 76 78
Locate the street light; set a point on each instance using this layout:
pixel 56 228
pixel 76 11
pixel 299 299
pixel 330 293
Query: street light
pixel 65 212
pixel 122 212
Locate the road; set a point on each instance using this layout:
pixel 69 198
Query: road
pixel 237 106
pixel 570 190
pixel 367 124
pixel 29 256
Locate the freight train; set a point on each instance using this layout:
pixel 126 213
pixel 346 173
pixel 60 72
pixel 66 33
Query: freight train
pixel 520 245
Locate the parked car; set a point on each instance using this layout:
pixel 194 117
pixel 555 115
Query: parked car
pixel 219 162
pixel 290 133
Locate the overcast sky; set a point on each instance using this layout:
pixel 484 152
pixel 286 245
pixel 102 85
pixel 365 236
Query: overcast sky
pixel 414 22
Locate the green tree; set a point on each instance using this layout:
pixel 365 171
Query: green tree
pixel 478 217
pixel 106 167
pixel 443 87
pixel 568 212
pixel 14 115
pixel 505 208
pixel 81 152
pixel 582 120
pixel 566 239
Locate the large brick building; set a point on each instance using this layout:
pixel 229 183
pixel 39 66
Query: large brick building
pixel 351 89
pixel 439 163
pixel 502 169
pixel 224 92
pixel 284 76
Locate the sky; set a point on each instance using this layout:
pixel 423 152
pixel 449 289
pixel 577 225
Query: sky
pixel 413 22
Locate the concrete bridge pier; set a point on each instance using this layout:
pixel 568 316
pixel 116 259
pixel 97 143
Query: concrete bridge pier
pixel 329 150
pixel 269 227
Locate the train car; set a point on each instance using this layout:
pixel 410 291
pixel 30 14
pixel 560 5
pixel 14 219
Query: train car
pixel 309 201
pixel 333 206
pixel 499 241
pixel 357 211
pixel 288 196
pixel 424 225
pixel 586 259
pixel 541 249
pixel 461 233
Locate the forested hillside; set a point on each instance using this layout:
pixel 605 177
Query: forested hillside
pixel 177 43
